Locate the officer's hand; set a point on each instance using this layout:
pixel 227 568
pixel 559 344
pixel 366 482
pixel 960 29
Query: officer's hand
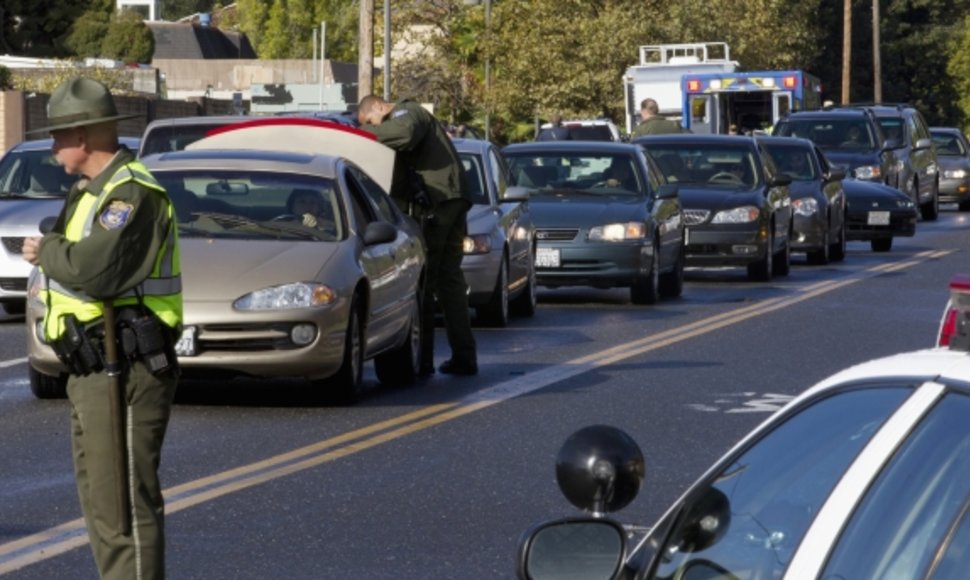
pixel 309 220
pixel 31 249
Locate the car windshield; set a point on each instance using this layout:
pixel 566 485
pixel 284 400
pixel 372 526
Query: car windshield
pixel 892 127
pixel 33 174
pixel 749 520
pixel 579 171
pixel 254 205
pixel 793 161
pixel 475 178
pixel 719 166
pixel 830 134
pixel 949 144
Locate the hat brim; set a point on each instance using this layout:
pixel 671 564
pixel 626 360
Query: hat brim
pixel 81 123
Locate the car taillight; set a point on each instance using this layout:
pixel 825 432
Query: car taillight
pixel 955 324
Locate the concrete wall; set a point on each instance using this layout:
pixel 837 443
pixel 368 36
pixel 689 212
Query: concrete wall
pixel 238 75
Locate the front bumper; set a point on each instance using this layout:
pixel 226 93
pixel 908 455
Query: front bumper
pixel 902 223
pixel 954 190
pixel 597 264
pixel 710 246
pixel 808 233
pixel 14 270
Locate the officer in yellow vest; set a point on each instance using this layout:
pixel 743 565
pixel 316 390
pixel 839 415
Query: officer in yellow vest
pixel 114 248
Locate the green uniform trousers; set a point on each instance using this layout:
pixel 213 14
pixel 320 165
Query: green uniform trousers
pixel 149 401
pixel 444 236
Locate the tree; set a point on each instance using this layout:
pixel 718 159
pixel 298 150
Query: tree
pixel 37 27
pixel 175 9
pixel 281 29
pixel 128 38
pixel 958 68
pixel 88 33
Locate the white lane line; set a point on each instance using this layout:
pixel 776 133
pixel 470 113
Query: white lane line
pixel 12 362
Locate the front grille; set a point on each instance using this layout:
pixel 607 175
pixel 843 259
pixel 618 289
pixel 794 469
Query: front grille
pixel 693 217
pixel 243 337
pixel 556 235
pixel 14 245
pixel 13 284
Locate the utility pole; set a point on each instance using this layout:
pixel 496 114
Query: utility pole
pixel 846 50
pixel 365 50
pixel 876 55
pixel 387 50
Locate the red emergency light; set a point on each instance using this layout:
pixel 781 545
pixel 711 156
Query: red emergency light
pixel 693 85
pixel 790 82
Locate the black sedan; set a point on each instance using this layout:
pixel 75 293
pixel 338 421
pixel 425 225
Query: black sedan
pixel 736 203
pixel 865 475
pixel 817 198
pixel 877 213
pixel 604 215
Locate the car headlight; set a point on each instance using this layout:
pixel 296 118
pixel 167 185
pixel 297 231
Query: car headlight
pixel 35 283
pixel 867 172
pixel 617 232
pixel 477 244
pixel 738 215
pixel 287 297
pixel 806 206
pixel 905 203
pixel 955 173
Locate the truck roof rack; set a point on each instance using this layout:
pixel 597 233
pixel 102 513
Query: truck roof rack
pixel 685 53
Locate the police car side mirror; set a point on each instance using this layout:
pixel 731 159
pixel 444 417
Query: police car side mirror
pixel 588 548
pixel 923 143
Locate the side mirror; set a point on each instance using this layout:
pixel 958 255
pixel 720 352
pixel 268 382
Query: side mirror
pixel 588 548
pixel 835 175
pixel 379 233
pixel 668 191
pixel 599 469
pixel 47 224
pixel 515 193
pixel 704 523
pixel 780 180
pixel 893 143
pixel 923 143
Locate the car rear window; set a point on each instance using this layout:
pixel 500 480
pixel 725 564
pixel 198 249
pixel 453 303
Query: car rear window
pixel 590 133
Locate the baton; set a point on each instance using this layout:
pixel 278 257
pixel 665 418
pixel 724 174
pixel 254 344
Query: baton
pixel 116 397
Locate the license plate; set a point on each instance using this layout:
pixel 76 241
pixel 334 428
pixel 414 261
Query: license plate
pixel 547 257
pixel 878 218
pixel 187 345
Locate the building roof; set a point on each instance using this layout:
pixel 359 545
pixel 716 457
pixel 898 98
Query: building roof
pixel 177 40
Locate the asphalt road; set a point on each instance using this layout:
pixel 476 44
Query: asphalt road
pixel 439 480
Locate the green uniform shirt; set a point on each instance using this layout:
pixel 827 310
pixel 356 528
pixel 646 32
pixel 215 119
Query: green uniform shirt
pixel 108 262
pixel 421 143
pixel 656 126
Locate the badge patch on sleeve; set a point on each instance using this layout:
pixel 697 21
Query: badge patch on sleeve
pixel 399 113
pixel 116 214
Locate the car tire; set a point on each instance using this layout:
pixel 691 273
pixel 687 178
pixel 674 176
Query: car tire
pixel 672 282
pixel 782 260
pixel 931 209
pixel 344 387
pixel 646 289
pixel 761 271
pixel 527 302
pixel 823 255
pixel 47 387
pixel 882 244
pixel 399 366
pixel 838 249
pixel 495 312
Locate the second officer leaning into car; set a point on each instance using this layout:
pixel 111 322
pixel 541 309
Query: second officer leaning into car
pixel 112 254
pixel 431 181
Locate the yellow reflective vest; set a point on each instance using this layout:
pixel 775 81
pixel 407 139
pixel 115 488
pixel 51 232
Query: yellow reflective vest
pixel 161 291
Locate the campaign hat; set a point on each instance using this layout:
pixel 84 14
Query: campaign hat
pixel 79 102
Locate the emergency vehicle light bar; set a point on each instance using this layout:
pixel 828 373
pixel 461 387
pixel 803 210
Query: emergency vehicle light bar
pixel 693 85
pixel 955 325
pixel 790 82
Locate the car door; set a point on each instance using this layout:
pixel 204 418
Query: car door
pixel 832 190
pixel 923 156
pixel 777 198
pixel 666 214
pixel 514 220
pixel 391 268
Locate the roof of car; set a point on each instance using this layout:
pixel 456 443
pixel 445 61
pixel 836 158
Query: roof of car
pixel 200 120
pixel 41 144
pixel 586 146
pixel 701 139
pixel 243 159
pixel 829 113
pixel 924 365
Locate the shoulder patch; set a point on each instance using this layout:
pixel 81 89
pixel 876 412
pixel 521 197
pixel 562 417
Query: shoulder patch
pixel 116 214
pixel 398 113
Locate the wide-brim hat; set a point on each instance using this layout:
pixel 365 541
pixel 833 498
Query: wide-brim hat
pixel 78 102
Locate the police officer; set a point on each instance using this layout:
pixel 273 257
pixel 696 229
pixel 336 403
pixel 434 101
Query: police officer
pixel 653 123
pixel 114 250
pixel 424 147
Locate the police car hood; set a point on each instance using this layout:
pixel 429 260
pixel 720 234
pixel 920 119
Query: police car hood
pixel 215 270
pixel 571 209
pixel 718 198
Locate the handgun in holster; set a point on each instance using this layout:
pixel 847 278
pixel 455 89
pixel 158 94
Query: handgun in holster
pixel 418 196
pixel 77 349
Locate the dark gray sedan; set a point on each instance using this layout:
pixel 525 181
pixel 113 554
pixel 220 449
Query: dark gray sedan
pixel 499 260
pixel 605 217
pixel 953 157
pixel 817 198
pixel 736 203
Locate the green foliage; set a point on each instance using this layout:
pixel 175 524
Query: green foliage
pixel 285 28
pixel 37 27
pixel 118 80
pixel 88 33
pixel 6 78
pixel 175 9
pixel 128 39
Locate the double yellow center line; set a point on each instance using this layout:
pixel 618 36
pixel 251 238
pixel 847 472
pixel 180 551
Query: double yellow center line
pixel 57 540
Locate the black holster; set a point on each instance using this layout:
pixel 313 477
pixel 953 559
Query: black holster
pixel 80 349
pixel 142 336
